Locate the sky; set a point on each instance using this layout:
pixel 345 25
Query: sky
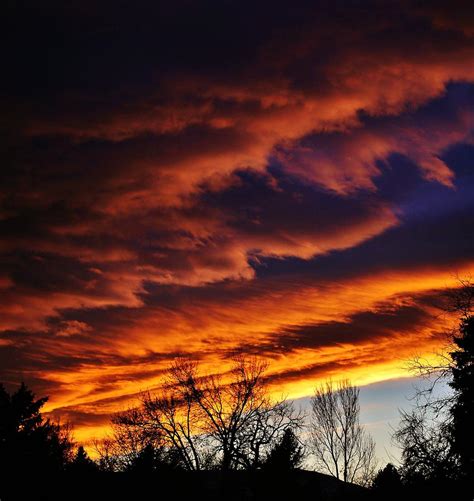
pixel 291 180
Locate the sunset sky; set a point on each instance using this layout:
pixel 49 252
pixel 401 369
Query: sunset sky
pixel 292 180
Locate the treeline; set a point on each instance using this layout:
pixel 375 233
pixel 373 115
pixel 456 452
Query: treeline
pixel 199 423
pixel 229 423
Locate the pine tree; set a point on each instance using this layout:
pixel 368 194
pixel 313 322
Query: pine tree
pixel 28 442
pixel 388 482
pixel 146 461
pixel 82 463
pixel 462 410
pixel 286 454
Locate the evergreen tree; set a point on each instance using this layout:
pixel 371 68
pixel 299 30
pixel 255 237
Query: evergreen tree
pixel 437 438
pixel 82 463
pixel 28 442
pixel 388 482
pixel 146 461
pixel 462 410
pixel 286 454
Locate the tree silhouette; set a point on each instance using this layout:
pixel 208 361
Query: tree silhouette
pixel 238 415
pixel 28 442
pixel 147 461
pixel 82 463
pixel 204 421
pixel 436 437
pixel 462 410
pixel 286 454
pixel 129 438
pixel 387 483
pixel 426 447
pixel 340 444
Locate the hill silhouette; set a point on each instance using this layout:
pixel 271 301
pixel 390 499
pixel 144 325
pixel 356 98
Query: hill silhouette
pixel 177 485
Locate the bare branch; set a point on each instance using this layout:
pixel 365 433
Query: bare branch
pixel 341 447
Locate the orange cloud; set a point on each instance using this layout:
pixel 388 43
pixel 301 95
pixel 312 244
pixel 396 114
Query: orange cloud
pixel 132 355
pixel 297 190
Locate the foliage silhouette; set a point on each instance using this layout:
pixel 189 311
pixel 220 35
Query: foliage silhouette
pixel 82 464
pixel 33 447
pixel 286 454
pixel 28 442
pixel 426 447
pixel 387 483
pixel 462 410
pixel 437 438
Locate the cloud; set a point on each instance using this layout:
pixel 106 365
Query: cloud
pixel 187 179
pixel 348 161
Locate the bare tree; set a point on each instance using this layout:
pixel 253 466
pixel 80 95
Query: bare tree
pixel 425 444
pixel 461 299
pixel 458 301
pixel 427 434
pixel 172 415
pixel 265 430
pixel 226 420
pixel 237 413
pixel 340 444
pixel 128 439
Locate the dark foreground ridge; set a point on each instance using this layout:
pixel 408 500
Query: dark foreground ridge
pixel 206 485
